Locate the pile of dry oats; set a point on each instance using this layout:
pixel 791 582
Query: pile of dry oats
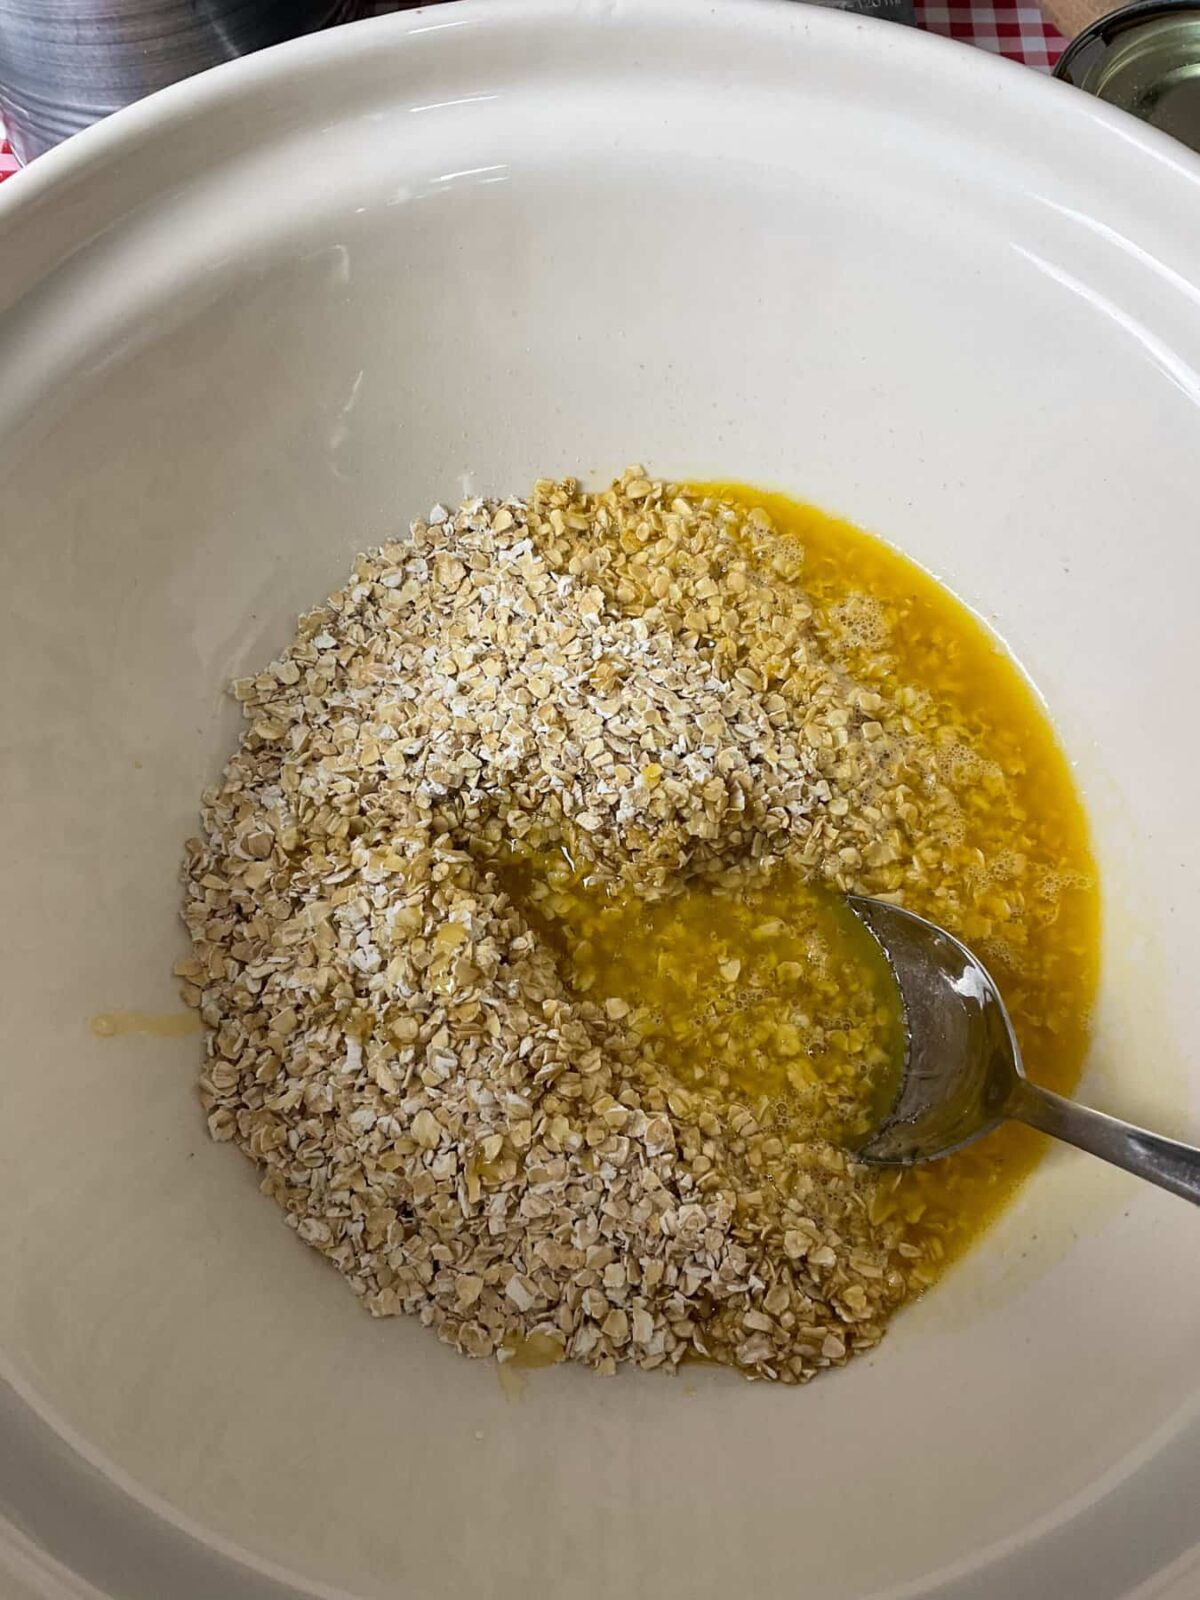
pixel 632 678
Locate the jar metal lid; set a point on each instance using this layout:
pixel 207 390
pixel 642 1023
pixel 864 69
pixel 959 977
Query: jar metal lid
pixel 1144 58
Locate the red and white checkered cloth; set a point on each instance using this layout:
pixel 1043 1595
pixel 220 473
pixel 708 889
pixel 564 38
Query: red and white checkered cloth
pixel 1005 27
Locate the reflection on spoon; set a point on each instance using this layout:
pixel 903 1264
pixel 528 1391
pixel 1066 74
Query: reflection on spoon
pixel 963 1074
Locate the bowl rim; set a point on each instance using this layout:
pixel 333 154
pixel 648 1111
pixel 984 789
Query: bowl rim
pixel 204 92
pixel 24 201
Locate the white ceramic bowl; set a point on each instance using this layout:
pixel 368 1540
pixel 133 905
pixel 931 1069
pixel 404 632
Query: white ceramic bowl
pixel 257 322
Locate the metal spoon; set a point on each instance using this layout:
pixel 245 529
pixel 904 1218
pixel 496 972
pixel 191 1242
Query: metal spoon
pixel 963 1074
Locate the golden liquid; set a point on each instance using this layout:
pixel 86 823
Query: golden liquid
pixel 158 1024
pixel 1047 962
pixel 766 985
pixel 768 988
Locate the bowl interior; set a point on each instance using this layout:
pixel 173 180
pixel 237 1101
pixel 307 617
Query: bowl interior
pixel 258 324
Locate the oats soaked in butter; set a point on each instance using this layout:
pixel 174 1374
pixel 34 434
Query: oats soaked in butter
pixel 519 935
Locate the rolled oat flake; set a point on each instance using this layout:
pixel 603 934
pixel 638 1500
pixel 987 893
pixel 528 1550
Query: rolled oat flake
pixel 1144 58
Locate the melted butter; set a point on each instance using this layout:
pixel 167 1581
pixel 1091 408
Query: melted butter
pixel 1028 879
pixel 523 1356
pixel 159 1025
pixel 537 1350
pixel 760 985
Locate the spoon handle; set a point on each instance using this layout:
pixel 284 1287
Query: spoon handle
pixel 1166 1162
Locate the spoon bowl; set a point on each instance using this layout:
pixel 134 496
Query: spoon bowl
pixel 962 1074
